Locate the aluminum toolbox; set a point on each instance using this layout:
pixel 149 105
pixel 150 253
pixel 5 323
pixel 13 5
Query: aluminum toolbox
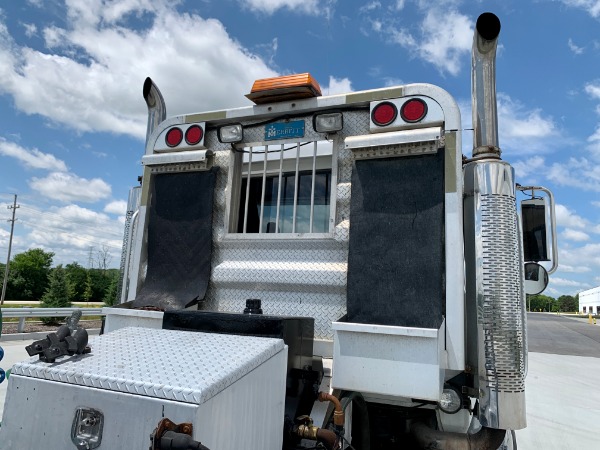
pixel 137 376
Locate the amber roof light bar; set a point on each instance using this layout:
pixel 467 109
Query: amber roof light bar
pixel 288 87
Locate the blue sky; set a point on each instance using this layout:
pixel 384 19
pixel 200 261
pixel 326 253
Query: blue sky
pixel 73 117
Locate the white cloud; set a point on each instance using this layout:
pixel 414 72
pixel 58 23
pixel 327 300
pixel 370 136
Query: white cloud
pixel 338 86
pixel 443 39
pixel 370 6
pixel 94 12
pixel 69 231
pixel 529 168
pixel 565 282
pixel 594 140
pixel 54 37
pixel 593 89
pixel 579 173
pixel 399 5
pixel 271 6
pixel 31 158
pixel 587 255
pixel 67 187
pixel 575 235
pixel 391 81
pixel 592 7
pixel 574 48
pixel 524 132
pixel 570 269
pixel 596 204
pixel 30 29
pixel 74 212
pixel 86 80
pixel 565 217
pixel 523 129
pixel 118 207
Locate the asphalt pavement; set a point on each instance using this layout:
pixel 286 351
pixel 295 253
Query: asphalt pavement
pixel 563 401
pixel 563 335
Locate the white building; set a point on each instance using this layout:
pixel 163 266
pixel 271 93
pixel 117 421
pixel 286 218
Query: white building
pixel 589 301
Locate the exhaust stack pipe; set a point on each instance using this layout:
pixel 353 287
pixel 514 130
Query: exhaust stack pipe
pixel 496 343
pixel 483 87
pixel 157 111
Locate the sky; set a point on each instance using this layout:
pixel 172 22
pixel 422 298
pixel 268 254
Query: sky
pixel 73 119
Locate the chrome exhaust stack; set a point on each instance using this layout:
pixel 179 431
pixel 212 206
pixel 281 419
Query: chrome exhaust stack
pixel 483 87
pixel 157 111
pixel 496 342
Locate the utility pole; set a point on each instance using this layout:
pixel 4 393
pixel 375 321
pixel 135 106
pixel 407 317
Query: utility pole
pixel 12 229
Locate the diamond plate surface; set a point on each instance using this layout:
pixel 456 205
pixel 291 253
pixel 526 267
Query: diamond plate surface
pixel 175 365
pixel 503 326
pixel 324 306
pixel 285 273
pixel 292 277
pixel 295 276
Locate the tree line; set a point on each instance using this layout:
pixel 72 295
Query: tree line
pixel 32 277
pixel 564 303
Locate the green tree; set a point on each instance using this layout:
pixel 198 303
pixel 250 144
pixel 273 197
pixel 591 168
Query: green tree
pixel 539 302
pixel 87 292
pixel 568 303
pixel 29 272
pixel 110 296
pixel 56 295
pixel 100 282
pixel 77 278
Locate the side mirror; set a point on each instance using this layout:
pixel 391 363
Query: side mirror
pixel 536 278
pixel 538 226
pixel 535 240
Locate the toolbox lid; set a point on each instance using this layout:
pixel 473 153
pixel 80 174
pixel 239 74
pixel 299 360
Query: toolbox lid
pixel 184 366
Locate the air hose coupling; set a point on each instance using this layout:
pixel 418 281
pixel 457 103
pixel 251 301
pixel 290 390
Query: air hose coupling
pixel 306 430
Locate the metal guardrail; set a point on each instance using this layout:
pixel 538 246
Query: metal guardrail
pixel 24 313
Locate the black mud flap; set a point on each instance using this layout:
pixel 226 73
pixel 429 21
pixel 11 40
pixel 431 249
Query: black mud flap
pixel 179 240
pixel 396 260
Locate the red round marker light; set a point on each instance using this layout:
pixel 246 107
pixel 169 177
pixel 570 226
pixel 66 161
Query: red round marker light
pixel 194 134
pixel 174 137
pixel 384 114
pixel 413 110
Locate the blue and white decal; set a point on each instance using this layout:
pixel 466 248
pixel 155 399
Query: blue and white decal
pixel 284 130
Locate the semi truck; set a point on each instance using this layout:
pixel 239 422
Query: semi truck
pixel 311 271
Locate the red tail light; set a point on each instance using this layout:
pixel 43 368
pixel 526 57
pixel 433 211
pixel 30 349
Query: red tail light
pixel 413 110
pixel 384 113
pixel 174 137
pixel 193 134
